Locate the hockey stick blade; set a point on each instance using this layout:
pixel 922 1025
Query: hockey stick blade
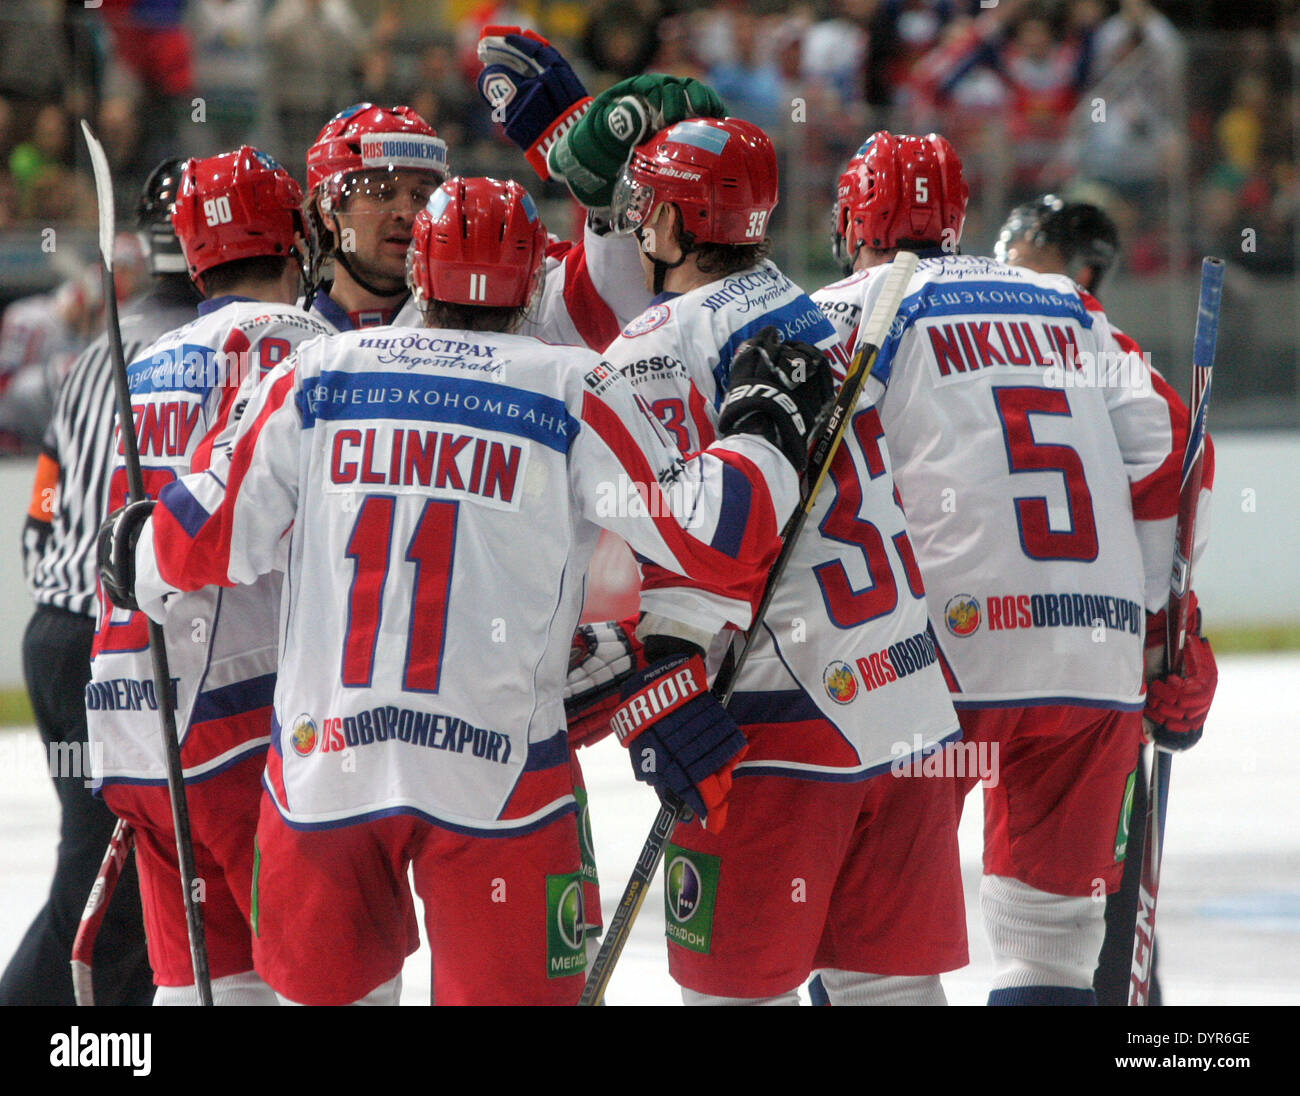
pixel 672 810
pixel 1180 586
pixel 157 644
pixel 92 917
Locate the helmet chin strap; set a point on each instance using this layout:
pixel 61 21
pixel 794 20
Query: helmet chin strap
pixel 662 267
pixel 341 257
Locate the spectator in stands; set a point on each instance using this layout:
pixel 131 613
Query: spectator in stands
pixel 750 84
pixel 442 96
pixel 45 151
pixel 314 50
pixel 229 72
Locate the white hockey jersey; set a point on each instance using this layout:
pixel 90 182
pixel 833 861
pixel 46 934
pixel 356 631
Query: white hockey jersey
pixel 1029 447
pixel 221 644
pixel 445 490
pixel 843 679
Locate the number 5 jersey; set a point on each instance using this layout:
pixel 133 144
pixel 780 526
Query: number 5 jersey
pixel 1038 458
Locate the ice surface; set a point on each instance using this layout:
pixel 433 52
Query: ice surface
pixel 1229 913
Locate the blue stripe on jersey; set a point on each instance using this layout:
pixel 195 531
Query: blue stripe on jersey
pixel 774 706
pixel 565 806
pixel 733 519
pixel 234 699
pixel 185 368
pixel 836 776
pixel 184 507
pixel 548 754
pixel 797 319
pixel 338 395
pixel 970 298
pixel 1054 701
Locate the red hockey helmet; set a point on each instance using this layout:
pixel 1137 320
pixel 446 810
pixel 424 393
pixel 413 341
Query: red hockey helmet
pixel 365 138
pixel 896 188
pixel 719 172
pixel 236 206
pixel 478 241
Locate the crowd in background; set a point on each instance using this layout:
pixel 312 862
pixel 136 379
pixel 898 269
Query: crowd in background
pixel 1187 136
pixel 1038 94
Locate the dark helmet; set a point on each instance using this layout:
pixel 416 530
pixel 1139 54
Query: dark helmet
pixel 154 220
pixel 1084 234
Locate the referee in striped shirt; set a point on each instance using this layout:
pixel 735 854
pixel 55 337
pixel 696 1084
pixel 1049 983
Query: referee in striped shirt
pixel 69 502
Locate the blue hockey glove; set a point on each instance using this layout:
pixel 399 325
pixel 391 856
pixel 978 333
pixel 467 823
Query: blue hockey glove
pixel 532 90
pixel 681 740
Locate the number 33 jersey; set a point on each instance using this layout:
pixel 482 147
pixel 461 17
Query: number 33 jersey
pixel 1028 448
pixel 843 678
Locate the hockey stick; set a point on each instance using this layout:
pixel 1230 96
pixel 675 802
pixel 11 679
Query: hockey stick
pixel 1180 585
pixel 162 677
pixel 823 451
pixel 83 947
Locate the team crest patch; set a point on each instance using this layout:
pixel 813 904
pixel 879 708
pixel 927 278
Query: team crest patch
pixel 962 615
pixel 302 737
pixel 841 685
pixel 566 926
pixel 690 894
pixel 653 317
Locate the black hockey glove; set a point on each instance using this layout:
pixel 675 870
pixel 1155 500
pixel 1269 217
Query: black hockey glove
pixel 116 552
pixel 778 390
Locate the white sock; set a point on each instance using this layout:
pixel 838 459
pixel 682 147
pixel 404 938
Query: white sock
pixel 849 987
pixel 1041 939
pixel 234 989
pixel 691 997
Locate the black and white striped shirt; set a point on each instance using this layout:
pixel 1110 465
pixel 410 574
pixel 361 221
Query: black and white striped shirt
pixel 70 500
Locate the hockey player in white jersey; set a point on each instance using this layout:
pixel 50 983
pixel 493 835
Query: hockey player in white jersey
pixel 842 684
pixel 1053 235
pixel 1039 466
pixel 442 489
pixel 239 221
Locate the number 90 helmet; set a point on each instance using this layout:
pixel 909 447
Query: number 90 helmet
pixel 477 242
pixel 899 189
pixel 238 205
pixel 719 172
